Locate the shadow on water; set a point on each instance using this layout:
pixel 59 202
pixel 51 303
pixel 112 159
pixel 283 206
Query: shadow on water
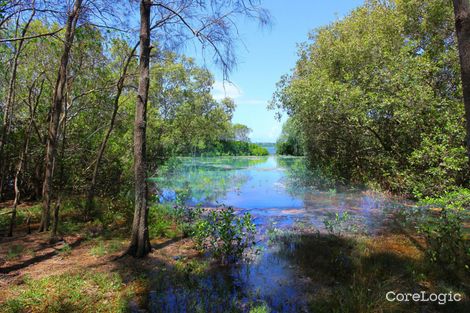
pixel 298 270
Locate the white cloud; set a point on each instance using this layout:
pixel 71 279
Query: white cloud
pixel 223 90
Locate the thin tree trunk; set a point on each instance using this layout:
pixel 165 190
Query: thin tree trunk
pixel 9 102
pixel 57 102
pixel 462 27
pixel 21 161
pixel 104 142
pixel 55 222
pixel 140 242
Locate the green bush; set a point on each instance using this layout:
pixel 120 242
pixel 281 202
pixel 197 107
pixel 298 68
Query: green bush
pixel 225 234
pixel 441 222
pixel 160 221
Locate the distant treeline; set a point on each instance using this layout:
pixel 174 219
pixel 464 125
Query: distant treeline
pixel 234 148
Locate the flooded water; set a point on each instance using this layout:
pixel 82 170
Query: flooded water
pixel 282 197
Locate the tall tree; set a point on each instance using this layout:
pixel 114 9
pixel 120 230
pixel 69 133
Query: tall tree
pixel 56 110
pixel 210 23
pixel 462 27
pixel 140 242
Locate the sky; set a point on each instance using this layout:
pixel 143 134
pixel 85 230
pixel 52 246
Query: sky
pixel 268 53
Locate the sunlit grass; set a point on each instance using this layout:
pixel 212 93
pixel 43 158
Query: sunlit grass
pixel 82 292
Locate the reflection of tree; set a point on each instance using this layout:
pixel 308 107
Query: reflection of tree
pixel 208 179
pixel 297 178
pixel 300 178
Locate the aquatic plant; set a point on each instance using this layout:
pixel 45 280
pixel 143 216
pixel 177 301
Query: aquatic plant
pixel 224 234
pixel 337 223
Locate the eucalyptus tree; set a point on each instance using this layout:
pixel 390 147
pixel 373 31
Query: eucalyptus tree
pixel 209 22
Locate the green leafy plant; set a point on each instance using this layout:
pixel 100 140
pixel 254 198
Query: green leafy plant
pixel 225 234
pixel 440 220
pixel 337 223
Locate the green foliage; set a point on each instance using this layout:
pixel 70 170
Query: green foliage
pixel 183 117
pixel 337 223
pixel 290 142
pixel 225 234
pixel 260 308
pixel 234 148
pixel 448 245
pixel 377 98
pixel 101 248
pixel 66 249
pixel 441 222
pixel 160 222
pixel 14 251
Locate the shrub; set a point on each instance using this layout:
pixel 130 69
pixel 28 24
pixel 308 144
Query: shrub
pixel 337 223
pixel 225 234
pixel 441 222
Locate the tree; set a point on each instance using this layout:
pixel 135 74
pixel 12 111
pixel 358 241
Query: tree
pixel 140 242
pixel 241 132
pixel 369 94
pixel 56 110
pixel 462 27
pixel 210 23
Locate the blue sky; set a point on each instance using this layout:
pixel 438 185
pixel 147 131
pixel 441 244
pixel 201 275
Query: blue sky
pixel 267 54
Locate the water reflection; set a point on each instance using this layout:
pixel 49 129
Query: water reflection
pixel 278 193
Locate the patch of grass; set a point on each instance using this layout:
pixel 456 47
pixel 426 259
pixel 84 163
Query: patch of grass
pixel 82 292
pixel 66 249
pixel 261 308
pixel 161 222
pixel 193 266
pixel 102 247
pixel 14 252
pixel 98 250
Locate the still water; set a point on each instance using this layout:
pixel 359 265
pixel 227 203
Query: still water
pixel 282 195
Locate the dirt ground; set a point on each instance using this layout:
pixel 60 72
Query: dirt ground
pixel 39 258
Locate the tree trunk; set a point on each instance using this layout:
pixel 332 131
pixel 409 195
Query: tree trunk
pixel 9 102
pixel 21 162
pixel 55 222
pixel 56 109
pixel 104 142
pixel 140 243
pixel 462 27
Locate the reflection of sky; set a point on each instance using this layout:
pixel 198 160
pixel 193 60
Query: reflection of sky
pixel 273 190
pixel 245 183
pixel 267 187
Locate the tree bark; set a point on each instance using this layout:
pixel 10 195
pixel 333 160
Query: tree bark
pixel 462 27
pixel 104 142
pixel 56 110
pixel 140 242
pixel 55 221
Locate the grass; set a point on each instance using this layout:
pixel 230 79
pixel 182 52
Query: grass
pixel 81 292
pixel 102 247
pixel 162 223
pixel 66 249
pixel 261 308
pixel 15 251
pixel 356 272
